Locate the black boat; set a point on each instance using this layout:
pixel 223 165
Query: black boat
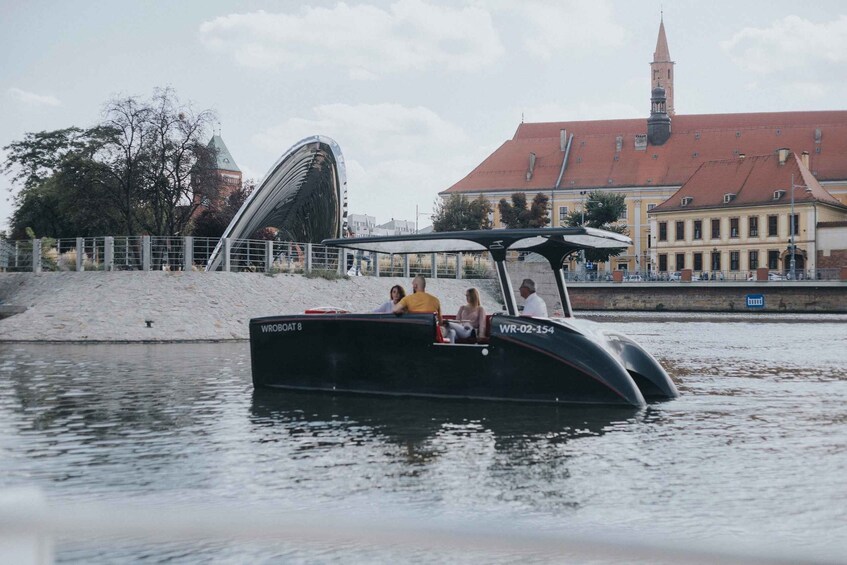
pixel 549 360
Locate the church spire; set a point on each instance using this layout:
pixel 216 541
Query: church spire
pixel 661 69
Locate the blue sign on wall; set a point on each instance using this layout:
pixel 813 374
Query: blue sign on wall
pixel 755 301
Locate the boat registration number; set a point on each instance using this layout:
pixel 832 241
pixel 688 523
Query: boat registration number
pixel 525 329
pixel 283 327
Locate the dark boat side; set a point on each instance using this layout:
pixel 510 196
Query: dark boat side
pixel 400 355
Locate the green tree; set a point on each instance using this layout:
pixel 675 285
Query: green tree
pixel 61 184
pixel 458 213
pixel 179 163
pixel 138 170
pixel 603 211
pixel 517 215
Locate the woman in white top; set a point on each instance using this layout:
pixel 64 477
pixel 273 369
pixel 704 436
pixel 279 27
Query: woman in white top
pixel 395 294
pixel 469 319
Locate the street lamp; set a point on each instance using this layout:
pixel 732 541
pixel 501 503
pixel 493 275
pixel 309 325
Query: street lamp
pixel 418 215
pixel 792 248
pixel 585 201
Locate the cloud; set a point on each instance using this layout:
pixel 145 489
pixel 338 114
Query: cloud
pixel 790 43
pixel 33 99
pixel 367 40
pixel 581 110
pixel 572 27
pixel 396 156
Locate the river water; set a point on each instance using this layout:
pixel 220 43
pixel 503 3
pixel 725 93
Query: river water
pixel 751 458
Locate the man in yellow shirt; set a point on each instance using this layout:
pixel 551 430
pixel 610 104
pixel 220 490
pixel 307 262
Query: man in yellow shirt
pixel 420 301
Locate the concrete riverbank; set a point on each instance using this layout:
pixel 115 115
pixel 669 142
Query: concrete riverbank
pixel 116 306
pixel 191 306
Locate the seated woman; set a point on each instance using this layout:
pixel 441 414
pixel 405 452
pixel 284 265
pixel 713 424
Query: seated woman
pixel 395 294
pixel 470 320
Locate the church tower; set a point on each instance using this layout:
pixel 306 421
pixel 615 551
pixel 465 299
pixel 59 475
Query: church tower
pixel 661 69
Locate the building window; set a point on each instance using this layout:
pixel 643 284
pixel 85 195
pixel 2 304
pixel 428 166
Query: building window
pixel 796 218
pixel 754 260
pixel 650 207
pixel 663 231
pixel 623 214
pixel 773 260
pixel 733 227
pixel 753 226
pixel 698 261
pixel 680 261
pixel 772 226
pixel 698 229
pixel 663 262
pixel 563 213
pixel 716 260
pixel 680 231
pixel 716 228
pixel 734 260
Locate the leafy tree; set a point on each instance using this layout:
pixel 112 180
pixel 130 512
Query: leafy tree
pixel 61 184
pixel 136 171
pixel 180 163
pixel 458 213
pixel 601 210
pixel 158 159
pixel 517 215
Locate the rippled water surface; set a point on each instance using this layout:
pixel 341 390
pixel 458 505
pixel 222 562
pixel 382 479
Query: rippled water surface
pixel 754 450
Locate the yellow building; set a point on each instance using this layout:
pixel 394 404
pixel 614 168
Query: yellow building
pixel 733 217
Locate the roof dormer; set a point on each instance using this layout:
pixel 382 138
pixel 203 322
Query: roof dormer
pixel 686 200
pixel 728 197
pixel 777 194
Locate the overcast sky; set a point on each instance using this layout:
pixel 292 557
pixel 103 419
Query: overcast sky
pixel 416 92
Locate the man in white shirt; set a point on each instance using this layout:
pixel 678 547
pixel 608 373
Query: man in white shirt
pixel 533 306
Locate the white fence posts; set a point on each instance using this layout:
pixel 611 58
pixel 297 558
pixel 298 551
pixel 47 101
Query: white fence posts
pixel 145 252
pixel 36 255
pixel 459 265
pixel 269 255
pixel 80 254
pixel 188 253
pixel 109 253
pixel 227 254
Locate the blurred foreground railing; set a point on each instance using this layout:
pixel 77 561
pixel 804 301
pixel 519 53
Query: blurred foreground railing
pixel 146 253
pixel 30 530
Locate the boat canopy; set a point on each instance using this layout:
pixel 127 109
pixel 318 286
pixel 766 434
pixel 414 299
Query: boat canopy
pixel 553 243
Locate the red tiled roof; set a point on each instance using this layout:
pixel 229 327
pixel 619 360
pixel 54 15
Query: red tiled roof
pixel 752 181
pixel 593 161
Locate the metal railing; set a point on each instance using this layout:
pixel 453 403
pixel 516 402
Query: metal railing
pixel 146 253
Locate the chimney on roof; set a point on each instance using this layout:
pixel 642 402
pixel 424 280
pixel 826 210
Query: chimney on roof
pixel 804 157
pixel 531 166
pixel 563 140
pixel 783 153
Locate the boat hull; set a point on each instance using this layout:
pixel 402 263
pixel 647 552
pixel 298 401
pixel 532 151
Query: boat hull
pixel 524 360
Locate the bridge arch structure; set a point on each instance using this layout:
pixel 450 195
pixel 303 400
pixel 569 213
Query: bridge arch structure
pixel 304 195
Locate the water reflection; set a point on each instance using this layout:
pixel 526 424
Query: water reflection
pixel 414 421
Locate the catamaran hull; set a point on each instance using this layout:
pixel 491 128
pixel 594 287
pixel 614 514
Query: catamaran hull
pixel 524 360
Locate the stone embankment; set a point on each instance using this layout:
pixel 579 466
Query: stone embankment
pixel 187 306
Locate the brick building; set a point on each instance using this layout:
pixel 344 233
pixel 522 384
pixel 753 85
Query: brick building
pixel 648 160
